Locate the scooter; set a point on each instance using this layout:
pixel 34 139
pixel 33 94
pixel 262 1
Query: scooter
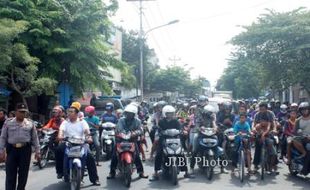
pixel 125 150
pixel 229 143
pixel 209 150
pixel 108 138
pixel 173 151
pixel 74 161
pixel 297 163
pixel 47 147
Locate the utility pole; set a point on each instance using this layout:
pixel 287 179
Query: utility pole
pixel 141 41
pixel 175 59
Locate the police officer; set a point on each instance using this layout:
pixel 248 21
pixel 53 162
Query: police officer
pixel 18 135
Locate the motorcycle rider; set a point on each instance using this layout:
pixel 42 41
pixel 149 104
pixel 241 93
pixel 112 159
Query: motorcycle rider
pixel 242 126
pixel 207 120
pixel 198 121
pixel 225 121
pixel 132 124
pixel 157 116
pixel 109 116
pixel 268 118
pixel 302 131
pixel 168 122
pixel 263 128
pixel 282 114
pixel 56 120
pixel 93 122
pixel 75 127
pixel 288 132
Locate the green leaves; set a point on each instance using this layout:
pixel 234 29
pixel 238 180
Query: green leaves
pixel 279 45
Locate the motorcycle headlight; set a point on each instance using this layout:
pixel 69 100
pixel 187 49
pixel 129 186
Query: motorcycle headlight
pixel 169 150
pixel 178 151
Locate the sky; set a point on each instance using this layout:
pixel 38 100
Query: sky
pixel 199 40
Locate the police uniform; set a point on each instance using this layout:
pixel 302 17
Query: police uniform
pixel 17 138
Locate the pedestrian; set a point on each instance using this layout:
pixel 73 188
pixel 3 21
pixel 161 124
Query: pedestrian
pixel 2 118
pixel 18 135
pixel 12 114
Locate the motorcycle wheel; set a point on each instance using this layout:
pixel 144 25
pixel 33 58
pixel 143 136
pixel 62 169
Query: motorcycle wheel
pixel 174 175
pixel 127 175
pixel 75 178
pixel 209 169
pixel 44 158
pixel 108 153
pixel 241 166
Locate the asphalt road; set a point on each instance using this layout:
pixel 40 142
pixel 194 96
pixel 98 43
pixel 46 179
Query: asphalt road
pixel 45 179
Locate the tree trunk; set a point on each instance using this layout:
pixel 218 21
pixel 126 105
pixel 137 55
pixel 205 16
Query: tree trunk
pixel 14 86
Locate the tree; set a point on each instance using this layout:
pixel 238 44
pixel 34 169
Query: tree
pixel 241 77
pixel 68 37
pixel 131 55
pixel 173 78
pixel 279 44
pixel 18 68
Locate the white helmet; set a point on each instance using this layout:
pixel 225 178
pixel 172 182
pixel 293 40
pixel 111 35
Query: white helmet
pixel 168 109
pixel 283 108
pixel 208 108
pixel 131 109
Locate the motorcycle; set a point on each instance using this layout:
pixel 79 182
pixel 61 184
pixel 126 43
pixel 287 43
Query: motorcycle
pixel 125 150
pixel 47 147
pixel 75 156
pixel 229 143
pixel 108 138
pixel 297 163
pixel 209 150
pixel 173 151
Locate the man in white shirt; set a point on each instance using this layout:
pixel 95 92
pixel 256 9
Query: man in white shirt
pixel 78 128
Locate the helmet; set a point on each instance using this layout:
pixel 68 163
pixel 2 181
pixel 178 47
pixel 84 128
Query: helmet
pixel 203 98
pixel 208 109
pixel 227 106
pixel 304 105
pixel 76 105
pixel 168 109
pixel 109 106
pixel 185 105
pixel 283 108
pixel 193 107
pixel 254 101
pixel 161 103
pixel 294 105
pixel 90 109
pixel 193 101
pixel 131 109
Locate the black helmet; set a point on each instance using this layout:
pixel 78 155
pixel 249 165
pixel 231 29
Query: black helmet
pixel 227 106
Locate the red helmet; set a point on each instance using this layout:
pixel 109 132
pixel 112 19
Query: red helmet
pixel 90 109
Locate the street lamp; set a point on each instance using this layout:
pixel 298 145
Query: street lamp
pixel 142 38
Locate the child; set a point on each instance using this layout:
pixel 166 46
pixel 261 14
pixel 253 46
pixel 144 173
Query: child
pixel 242 127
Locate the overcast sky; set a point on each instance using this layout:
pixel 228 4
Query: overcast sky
pixel 199 39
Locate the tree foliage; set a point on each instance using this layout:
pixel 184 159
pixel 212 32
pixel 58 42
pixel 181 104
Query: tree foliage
pixel 277 48
pixel 131 55
pixel 18 68
pixel 68 37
